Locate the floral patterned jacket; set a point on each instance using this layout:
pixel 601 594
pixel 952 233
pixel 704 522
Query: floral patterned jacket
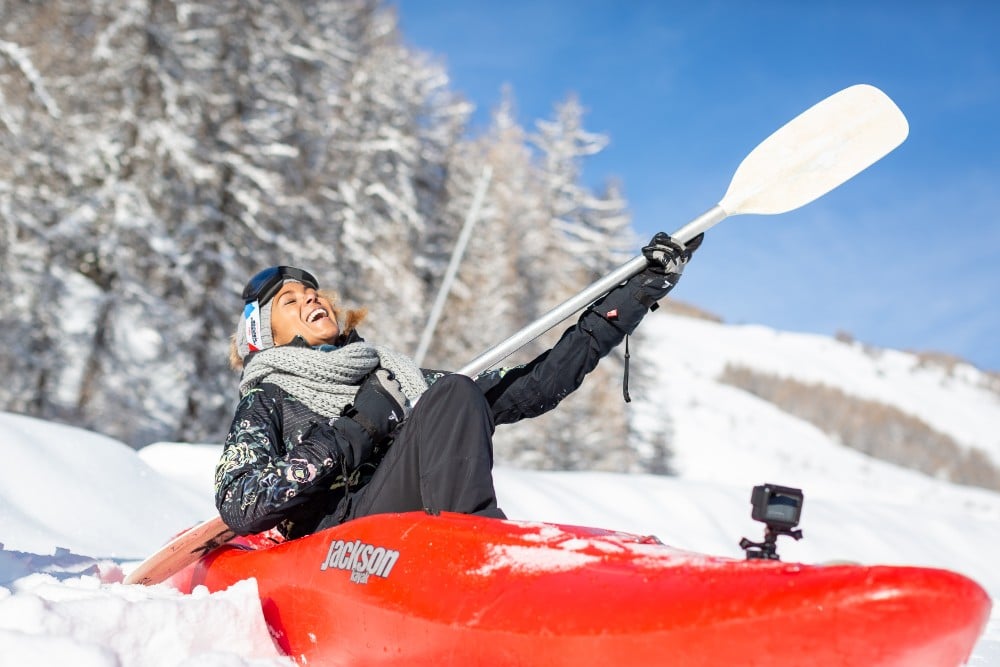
pixel 273 474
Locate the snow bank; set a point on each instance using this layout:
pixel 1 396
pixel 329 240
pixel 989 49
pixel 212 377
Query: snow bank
pixel 66 487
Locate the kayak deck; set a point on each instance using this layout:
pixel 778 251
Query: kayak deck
pixel 452 589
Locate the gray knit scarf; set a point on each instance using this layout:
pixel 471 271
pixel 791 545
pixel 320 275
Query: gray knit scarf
pixel 326 380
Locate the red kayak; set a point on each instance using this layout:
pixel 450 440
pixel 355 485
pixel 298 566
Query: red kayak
pixel 450 589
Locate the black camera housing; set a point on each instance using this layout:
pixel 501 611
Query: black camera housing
pixel 777 506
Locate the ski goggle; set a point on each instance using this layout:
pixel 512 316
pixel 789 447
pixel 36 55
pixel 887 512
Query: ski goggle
pixel 263 286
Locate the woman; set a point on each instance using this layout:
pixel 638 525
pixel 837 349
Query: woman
pixel 329 429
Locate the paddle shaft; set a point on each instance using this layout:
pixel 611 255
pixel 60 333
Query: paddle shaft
pixel 584 298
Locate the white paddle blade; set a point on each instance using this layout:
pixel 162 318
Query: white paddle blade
pixel 816 151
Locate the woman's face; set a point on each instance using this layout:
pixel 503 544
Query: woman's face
pixel 297 310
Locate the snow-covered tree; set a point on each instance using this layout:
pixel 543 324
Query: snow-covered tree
pixel 492 295
pixel 170 151
pixel 159 153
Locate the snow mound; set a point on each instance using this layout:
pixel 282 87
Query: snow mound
pixel 85 492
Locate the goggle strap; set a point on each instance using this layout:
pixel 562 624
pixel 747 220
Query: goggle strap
pixel 251 313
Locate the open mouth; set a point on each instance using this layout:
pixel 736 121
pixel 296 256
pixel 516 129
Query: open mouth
pixel 317 315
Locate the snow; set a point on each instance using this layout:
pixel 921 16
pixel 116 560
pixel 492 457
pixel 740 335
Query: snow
pixel 532 559
pixel 78 510
pixel 955 401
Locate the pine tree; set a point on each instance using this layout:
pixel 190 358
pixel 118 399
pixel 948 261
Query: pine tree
pixel 491 296
pixel 586 236
pixel 396 123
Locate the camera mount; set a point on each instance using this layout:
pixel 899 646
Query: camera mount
pixel 779 509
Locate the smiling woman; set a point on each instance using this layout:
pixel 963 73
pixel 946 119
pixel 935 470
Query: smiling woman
pixel 328 428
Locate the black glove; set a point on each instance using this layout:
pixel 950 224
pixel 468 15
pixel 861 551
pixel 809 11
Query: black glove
pixel 379 406
pixel 666 255
pixel 626 305
pixel 667 259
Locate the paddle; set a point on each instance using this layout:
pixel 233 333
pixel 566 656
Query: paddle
pixel 181 551
pixel 815 152
pixel 812 154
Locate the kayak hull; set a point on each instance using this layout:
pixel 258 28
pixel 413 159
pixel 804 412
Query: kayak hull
pixel 451 589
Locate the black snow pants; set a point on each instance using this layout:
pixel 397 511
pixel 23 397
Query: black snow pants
pixel 441 459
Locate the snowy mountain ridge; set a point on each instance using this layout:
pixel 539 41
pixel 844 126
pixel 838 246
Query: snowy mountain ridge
pixel 692 354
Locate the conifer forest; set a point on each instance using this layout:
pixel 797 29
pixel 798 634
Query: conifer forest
pixel 157 153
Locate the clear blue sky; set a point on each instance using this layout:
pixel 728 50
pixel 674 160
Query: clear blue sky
pixel 905 255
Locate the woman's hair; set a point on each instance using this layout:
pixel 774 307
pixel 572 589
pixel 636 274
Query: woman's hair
pixel 347 320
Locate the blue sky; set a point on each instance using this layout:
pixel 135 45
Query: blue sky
pixel 905 255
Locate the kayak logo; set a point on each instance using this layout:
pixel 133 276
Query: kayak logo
pixel 360 559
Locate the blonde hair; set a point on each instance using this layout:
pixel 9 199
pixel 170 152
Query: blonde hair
pixel 347 319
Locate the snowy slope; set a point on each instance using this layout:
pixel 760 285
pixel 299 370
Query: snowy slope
pixel 108 505
pixel 954 400
pixel 68 487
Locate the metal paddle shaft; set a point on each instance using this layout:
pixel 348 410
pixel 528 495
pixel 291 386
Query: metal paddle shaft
pixel 591 293
pixel 812 154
